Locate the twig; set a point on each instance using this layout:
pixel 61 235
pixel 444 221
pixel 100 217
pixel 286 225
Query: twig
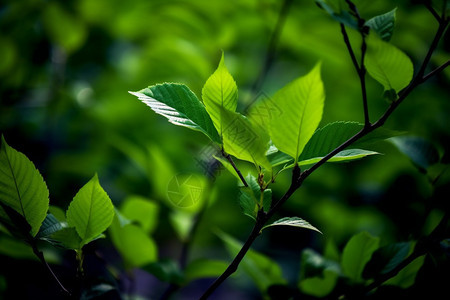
pixel 230 160
pixel 432 11
pixel 41 257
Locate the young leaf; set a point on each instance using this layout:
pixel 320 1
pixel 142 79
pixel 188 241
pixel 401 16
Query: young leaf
pixel 91 211
pixel 383 24
pixel 264 271
pixel 421 152
pixel 357 253
pixel 301 105
pixel 220 91
pixel 319 286
pixel 248 202
pixel 243 140
pixel 294 222
pixel 387 64
pixel 179 104
pixel 23 187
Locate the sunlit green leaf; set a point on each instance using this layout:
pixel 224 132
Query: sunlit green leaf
pixel 294 222
pixel 383 24
pixel 242 139
pixel 22 187
pixel 91 211
pixel 301 105
pixel 220 91
pixel 357 252
pixel 179 104
pixel 387 64
pixel 263 270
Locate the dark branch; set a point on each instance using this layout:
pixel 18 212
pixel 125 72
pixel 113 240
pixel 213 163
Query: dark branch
pixel 230 160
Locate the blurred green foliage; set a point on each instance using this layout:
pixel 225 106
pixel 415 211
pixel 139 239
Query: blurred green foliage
pixel 65 70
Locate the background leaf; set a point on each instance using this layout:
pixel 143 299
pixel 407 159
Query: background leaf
pixel 383 24
pixel 22 187
pixel 220 91
pixel 386 259
pixel 357 252
pixel 135 246
pixel 142 211
pixel 387 64
pixel 179 104
pixel 422 153
pixel 91 211
pixel 301 105
pixel 204 268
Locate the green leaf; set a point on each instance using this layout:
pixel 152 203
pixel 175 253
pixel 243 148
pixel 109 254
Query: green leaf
pixel 14 222
pixel 344 155
pixel 142 211
pixel 57 212
pixel 335 8
pixel 357 252
pixel 294 222
pixel 243 140
pixel 267 199
pixel 220 91
pixel 422 152
pixel 301 105
pixel 179 104
pixel 50 225
pixel 385 259
pixel 67 238
pixel 383 24
pixel 407 276
pixel 248 202
pixel 22 187
pixel 15 248
pixel 91 211
pixel 204 268
pixel 387 64
pixel 264 271
pixel 135 246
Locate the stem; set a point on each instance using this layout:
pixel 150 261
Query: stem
pixel 41 257
pixel 230 160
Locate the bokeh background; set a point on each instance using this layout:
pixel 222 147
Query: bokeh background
pixel 65 71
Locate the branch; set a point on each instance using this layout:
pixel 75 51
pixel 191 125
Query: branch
pixel 298 177
pixel 230 160
pixel 432 11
